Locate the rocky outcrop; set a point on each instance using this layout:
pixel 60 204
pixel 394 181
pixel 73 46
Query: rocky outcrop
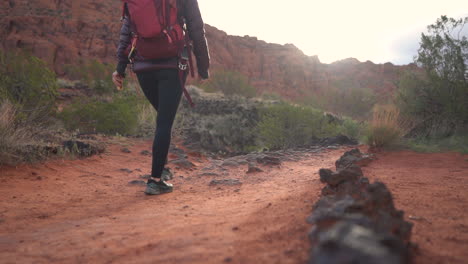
pixel 66 32
pixel 218 124
pixel 356 221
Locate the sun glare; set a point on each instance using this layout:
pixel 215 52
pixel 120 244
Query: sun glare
pixel 335 29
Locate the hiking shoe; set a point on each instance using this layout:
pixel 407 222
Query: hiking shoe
pixel 167 175
pixel 158 187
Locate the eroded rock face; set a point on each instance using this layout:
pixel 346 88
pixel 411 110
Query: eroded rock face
pixel 355 221
pixel 69 32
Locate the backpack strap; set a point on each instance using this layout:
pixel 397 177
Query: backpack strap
pixel 167 7
pixel 124 10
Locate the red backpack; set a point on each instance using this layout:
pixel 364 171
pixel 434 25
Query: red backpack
pixel 158 31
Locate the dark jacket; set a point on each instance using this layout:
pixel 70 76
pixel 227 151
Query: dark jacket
pixel 196 29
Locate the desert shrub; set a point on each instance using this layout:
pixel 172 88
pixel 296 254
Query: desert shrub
pixel 218 124
pixel 25 142
pixel 118 115
pixel 352 128
pixel 230 84
pixel 27 83
pixel 386 127
pixel 437 106
pixel 28 93
pixel 95 74
pixel 285 125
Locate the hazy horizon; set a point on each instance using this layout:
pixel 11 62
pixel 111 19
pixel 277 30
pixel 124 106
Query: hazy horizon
pixel 335 30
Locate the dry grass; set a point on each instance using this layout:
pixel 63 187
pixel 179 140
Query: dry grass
pixel 387 127
pixel 146 120
pixel 12 138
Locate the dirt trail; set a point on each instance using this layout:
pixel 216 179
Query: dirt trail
pixel 86 211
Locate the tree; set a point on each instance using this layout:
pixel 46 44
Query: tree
pixel 444 50
pixel 438 100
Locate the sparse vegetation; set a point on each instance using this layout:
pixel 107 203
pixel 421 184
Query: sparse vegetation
pixel 285 126
pixel 27 83
pixel 230 84
pixel 95 74
pixel 118 115
pixel 454 143
pixel 27 102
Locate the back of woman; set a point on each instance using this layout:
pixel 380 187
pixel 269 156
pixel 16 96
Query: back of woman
pixel 157 39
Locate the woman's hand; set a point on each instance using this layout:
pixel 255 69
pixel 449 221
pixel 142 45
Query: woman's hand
pixel 117 79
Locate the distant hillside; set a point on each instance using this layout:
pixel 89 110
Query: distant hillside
pixel 69 32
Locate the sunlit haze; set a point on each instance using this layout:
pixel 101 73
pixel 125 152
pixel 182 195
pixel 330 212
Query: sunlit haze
pixel 380 31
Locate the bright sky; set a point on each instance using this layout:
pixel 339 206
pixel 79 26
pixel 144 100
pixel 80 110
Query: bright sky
pixel 376 30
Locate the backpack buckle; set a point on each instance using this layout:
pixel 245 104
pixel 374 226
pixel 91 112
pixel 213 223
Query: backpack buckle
pixel 183 66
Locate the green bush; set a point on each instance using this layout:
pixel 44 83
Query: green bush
pixel 27 83
pixel 117 116
pixel 438 106
pixel 28 93
pixel 352 128
pixel 230 84
pixel 95 74
pixel 285 125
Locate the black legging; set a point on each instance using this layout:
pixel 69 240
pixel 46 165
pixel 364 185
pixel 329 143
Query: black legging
pixel 163 90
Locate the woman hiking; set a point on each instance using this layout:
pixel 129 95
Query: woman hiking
pixel 156 38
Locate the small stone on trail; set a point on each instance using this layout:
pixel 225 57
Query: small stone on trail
pixel 125 150
pixel 416 218
pixel 126 170
pixel 225 182
pixel 211 174
pixel 145 153
pixel 228 260
pixel 183 163
pixel 137 182
pixel 253 168
pixel 146 176
pixel 269 160
pixel 235 228
pixel 229 163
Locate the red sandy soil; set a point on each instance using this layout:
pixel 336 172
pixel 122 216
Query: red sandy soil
pixel 84 211
pixel 432 189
